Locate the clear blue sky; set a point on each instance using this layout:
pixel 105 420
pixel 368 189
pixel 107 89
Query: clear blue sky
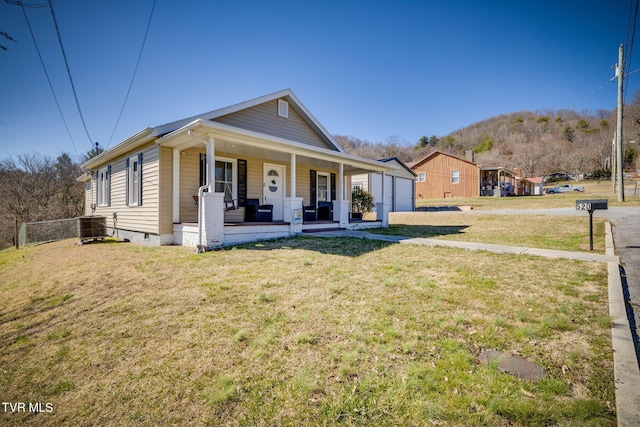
pixel 370 69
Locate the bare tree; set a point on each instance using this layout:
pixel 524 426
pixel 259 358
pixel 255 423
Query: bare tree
pixel 34 187
pixel 529 157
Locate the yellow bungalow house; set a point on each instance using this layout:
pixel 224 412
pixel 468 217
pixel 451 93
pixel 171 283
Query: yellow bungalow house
pixel 261 169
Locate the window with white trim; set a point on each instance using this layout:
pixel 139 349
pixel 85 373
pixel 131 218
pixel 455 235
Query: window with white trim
pixel 103 186
pixel 323 183
pixel 224 177
pixel 134 180
pixel 422 177
pixel 455 176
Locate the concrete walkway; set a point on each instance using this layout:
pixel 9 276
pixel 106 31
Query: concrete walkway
pixel 548 253
pixel 625 360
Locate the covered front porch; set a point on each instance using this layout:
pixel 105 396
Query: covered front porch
pixel 232 186
pixel 497 182
pixel 186 234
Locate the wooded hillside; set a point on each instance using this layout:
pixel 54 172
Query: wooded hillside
pixel 35 187
pixel 539 142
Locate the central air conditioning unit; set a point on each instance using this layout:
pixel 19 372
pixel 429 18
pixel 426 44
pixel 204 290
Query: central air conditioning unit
pixel 92 228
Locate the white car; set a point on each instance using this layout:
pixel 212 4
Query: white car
pixel 564 188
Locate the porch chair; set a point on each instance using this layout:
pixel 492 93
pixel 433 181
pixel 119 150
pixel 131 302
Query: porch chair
pixel 325 211
pixel 265 213
pixel 310 213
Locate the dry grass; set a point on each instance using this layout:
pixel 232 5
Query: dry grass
pixel 536 231
pixel 302 331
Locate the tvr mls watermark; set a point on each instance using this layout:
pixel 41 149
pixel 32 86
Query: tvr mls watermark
pixel 33 407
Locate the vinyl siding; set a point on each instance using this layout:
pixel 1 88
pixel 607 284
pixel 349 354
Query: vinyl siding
pixel 166 190
pixel 190 178
pixel 302 184
pixel 438 178
pixel 142 218
pixel 254 177
pixel 190 181
pixel 89 191
pixel 189 184
pixel 363 179
pixel 264 118
pixel 303 181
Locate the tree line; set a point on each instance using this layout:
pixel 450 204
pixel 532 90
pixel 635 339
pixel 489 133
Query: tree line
pixel 539 143
pixel 35 187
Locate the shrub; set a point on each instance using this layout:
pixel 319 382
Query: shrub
pixel 361 200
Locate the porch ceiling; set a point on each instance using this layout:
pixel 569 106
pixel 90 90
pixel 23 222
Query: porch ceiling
pixel 234 142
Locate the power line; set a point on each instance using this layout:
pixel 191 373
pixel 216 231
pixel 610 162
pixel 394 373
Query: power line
pixel 48 79
pixel 631 33
pixel 23 4
pixel 144 40
pixel 66 63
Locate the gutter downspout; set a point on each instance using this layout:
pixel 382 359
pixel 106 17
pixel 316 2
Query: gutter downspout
pixel 209 144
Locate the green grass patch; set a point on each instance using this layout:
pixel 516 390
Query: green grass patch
pixel 303 331
pixel 569 233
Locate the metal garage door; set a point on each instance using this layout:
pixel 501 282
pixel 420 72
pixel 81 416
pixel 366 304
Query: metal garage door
pixel 404 195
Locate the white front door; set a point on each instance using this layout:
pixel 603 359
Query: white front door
pixel 324 187
pixel 274 182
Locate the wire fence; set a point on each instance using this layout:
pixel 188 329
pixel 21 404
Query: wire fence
pixel 60 229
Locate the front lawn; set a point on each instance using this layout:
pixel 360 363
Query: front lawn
pixel 568 233
pixel 301 331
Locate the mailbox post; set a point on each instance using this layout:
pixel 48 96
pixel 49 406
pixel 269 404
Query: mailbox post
pixel 590 206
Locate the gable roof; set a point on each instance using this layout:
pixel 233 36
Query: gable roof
pixel 399 162
pixel 438 152
pixel 150 133
pixel 535 180
pixel 286 94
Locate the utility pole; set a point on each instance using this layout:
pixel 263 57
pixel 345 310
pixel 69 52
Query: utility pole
pixel 620 152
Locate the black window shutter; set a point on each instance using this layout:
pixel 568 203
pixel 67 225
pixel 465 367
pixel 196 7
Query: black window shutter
pixel 203 169
pixel 242 182
pixel 312 188
pixel 333 186
pixel 97 178
pixel 139 179
pixel 109 185
pixel 126 183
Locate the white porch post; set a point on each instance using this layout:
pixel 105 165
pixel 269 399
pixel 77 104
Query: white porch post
pixel 211 207
pixel 382 199
pixel 382 209
pixel 211 161
pixel 341 186
pixel 293 205
pixel 293 175
pixel 340 205
pixel 176 186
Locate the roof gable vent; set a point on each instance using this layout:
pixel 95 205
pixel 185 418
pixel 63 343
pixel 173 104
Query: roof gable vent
pixel 283 108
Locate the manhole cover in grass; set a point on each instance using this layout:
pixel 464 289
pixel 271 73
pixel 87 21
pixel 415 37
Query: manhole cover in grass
pixel 514 365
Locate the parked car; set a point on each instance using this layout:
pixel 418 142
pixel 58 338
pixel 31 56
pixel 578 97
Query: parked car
pixel 564 188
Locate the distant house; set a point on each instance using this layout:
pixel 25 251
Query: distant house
pixel 399 191
pixel 530 186
pixel 443 175
pixel 498 181
pixel 264 168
